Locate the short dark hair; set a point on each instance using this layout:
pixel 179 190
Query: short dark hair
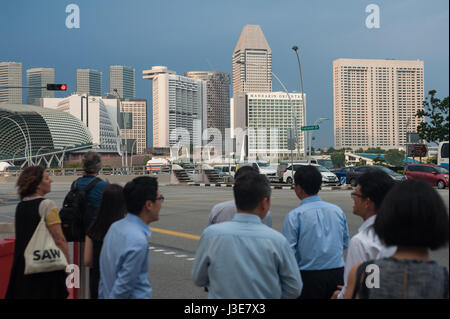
pixel 138 191
pixel 413 214
pixel 375 184
pixel 29 180
pixel 245 169
pixel 250 189
pixel 92 162
pixel 308 178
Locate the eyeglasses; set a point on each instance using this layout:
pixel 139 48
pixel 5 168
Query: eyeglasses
pixel 353 194
pixel 161 197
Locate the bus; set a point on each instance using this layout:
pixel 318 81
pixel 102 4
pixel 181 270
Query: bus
pixel 442 158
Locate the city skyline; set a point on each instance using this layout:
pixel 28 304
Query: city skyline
pixel 324 32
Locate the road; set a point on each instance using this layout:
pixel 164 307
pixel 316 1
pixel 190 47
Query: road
pixel 183 217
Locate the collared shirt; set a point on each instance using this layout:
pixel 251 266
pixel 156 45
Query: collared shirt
pixel 244 258
pixel 225 211
pixel 94 197
pixel 364 246
pixel 125 260
pixel 317 232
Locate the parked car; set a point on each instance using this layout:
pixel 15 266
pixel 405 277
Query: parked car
pixel 328 178
pixel 264 168
pixel 356 171
pixel 433 174
pixel 342 172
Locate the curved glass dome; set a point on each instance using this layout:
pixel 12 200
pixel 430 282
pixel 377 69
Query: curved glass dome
pixel 45 128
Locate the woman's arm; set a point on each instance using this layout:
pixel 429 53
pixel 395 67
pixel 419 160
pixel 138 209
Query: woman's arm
pixel 88 252
pixel 351 283
pixel 60 241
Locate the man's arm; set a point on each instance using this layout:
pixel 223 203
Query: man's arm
pixel 290 279
pixel 291 231
pixel 201 263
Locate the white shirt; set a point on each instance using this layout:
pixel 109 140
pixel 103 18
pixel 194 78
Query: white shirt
pixel 364 246
pixel 225 211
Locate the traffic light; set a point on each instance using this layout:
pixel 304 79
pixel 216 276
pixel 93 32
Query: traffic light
pixel 57 87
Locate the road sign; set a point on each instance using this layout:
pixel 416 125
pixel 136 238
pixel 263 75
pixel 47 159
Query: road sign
pixel 310 128
pixel 417 150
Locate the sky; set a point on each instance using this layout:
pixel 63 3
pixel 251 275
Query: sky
pixel 200 35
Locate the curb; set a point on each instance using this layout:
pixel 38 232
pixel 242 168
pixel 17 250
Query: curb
pixel 329 188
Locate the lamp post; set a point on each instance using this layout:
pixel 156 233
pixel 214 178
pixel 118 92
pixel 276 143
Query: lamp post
pixel 124 128
pixel 295 48
pixel 317 122
pixel 132 147
pixel 27 146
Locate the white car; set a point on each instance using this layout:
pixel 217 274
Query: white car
pixel 264 168
pixel 328 178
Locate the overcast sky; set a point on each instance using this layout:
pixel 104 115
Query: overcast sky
pixel 201 35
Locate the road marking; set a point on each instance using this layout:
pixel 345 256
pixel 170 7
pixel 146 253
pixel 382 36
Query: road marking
pixel 190 259
pixel 158 250
pixel 174 233
pixel 180 256
pixel 169 253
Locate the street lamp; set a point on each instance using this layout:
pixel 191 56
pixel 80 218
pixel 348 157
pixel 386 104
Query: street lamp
pixel 132 147
pixel 124 128
pixel 317 122
pixel 294 117
pixel 27 146
pixel 295 48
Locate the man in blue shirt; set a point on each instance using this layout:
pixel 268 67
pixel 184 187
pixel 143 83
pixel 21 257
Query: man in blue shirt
pixel 244 258
pixel 317 232
pixel 125 258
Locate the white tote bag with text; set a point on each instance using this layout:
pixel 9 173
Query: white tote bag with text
pixel 42 254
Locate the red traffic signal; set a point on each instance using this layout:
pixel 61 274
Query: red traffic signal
pixel 57 87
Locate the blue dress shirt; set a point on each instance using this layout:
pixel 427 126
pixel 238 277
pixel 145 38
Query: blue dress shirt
pixel 125 260
pixel 317 232
pixel 244 258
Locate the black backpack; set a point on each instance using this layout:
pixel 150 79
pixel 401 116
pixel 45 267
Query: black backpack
pixel 76 214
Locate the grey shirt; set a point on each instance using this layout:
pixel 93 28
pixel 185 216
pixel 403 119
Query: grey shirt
pixel 225 211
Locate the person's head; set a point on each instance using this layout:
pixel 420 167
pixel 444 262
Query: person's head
pixel 143 198
pixel 413 214
pixel 91 163
pixel 307 180
pixel 34 180
pixel 252 194
pixel 112 209
pixel 372 187
pixel 245 169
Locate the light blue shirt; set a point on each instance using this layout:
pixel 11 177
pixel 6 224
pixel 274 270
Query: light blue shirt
pixel 317 232
pixel 125 260
pixel 244 258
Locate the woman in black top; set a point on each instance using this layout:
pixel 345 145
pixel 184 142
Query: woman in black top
pixel 112 209
pixel 32 185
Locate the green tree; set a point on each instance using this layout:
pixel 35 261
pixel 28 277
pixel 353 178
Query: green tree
pixel 436 129
pixel 395 157
pixel 338 159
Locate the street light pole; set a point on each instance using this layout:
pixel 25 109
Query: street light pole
pixel 124 128
pixel 317 122
pixel 295 48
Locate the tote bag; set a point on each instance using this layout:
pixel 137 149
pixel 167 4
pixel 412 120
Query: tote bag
pixel 42 254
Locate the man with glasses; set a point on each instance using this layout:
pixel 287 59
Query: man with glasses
pixel 125 258
pixel 372 187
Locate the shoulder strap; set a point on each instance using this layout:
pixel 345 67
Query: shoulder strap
pixel 360 272
pixel 92 184
pixel 74 184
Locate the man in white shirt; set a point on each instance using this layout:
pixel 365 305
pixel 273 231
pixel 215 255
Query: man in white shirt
pixel 372 187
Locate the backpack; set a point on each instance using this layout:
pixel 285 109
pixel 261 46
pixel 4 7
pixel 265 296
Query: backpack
pixel 76 213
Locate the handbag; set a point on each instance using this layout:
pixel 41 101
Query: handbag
pixel 42 254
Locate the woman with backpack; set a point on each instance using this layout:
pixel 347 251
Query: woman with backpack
pixel 112 208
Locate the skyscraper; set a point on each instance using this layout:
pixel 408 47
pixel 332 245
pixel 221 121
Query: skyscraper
pixel 375 101
pixel 39 77
pixel 218 98
pixel 89 81
pixel 122 79
pixel 10 75
pixel 179 102
pixel 255 72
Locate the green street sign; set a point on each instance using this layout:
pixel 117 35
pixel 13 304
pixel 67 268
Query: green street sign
pixel 310 128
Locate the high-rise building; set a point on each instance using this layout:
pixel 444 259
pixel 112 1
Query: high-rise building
pixel 254 72
pixel 375 102
pixel 268 118
pixel 10 75
pixel 133 124
pixel 89 81
pixel 218 98
pixel 39 77
pixel 122 79
pixel 179 102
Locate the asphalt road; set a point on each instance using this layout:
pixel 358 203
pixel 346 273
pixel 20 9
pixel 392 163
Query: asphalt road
pixel 184 216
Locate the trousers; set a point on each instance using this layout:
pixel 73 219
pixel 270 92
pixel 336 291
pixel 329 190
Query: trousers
pixel 321 284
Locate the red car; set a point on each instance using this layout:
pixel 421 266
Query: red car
pixel 433 174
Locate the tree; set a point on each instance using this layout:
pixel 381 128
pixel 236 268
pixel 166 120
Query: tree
pixel 437 128
pixel 338 159
pixel 395 157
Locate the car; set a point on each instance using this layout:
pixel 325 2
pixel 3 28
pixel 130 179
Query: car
pixel 434 174
pixel 328 178
pixel 342 173
pixel 264 168
pixel 353 174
